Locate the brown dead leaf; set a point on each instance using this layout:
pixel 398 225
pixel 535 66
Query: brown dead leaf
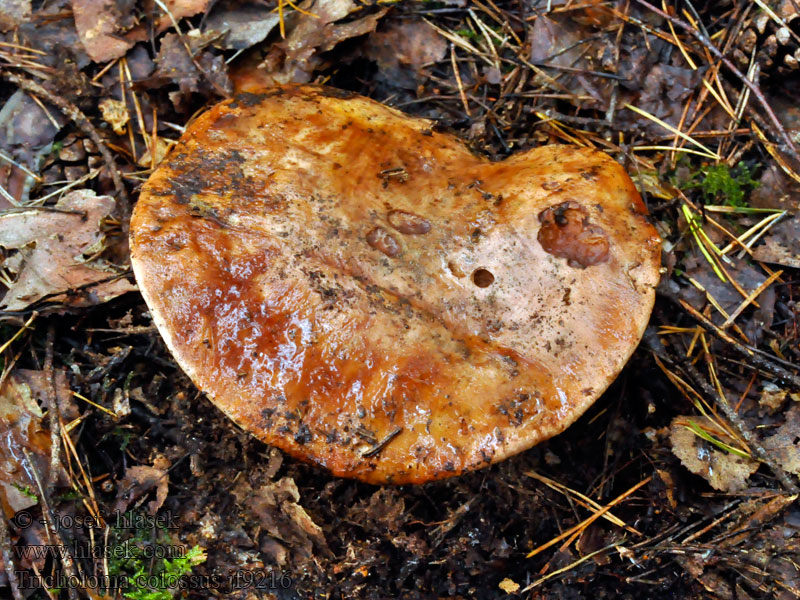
pixel 99 23
pixel 781 246
pixel 162 146
pixel 176 65
pixel 25 447
pixel 41 387
pixel 772 398
pixel 283 519
pixel 385 511
pixel 296 58
pixel 139 480
pixel 755 514
pixel 724 294
pixel 784 445
pixel 26 135
pixel 179 9
pixel 556 42
pixel 243 26
pixel 775 190
pixel 13 13
pixel 723 471
pixel 402 45
pixel 57 253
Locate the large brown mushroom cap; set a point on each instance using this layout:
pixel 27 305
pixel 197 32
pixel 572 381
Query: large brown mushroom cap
pixel 364 293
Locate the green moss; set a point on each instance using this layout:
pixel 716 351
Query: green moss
pixel 721 184
pixel 151 561
pixel 25 489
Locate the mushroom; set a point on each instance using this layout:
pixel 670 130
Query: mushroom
pixel 361 291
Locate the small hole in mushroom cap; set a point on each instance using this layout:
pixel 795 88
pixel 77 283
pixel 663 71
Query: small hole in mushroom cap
pixel 482 278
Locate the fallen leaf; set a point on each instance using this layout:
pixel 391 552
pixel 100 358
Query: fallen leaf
pixel 179 9
pixel 176 65
pixel 13 13
pixel 57 253
pixel 243 26
pixel 509 586
pixel 775 189
pixel 99 23
pixel 772 397
pixel 25 449
pixel 726 296
pixel 781 246
pixel 308 35
pixel 26 135
pixel 784 445
pixel 139 480
pixel 41 387
pixel 556 42
pixel 405 44
pixel 161 149
pixel 282 518
pixel 723 471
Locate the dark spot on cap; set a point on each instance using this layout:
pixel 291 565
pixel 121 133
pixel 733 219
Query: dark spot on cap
pixel 409 223
pixel 382 240
pixel 482 278
pixel 567 232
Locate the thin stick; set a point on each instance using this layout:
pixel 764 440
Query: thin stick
pixel 759 362
pixel 8 559
pixel 53 412
pixel 458 80
pixel 586 522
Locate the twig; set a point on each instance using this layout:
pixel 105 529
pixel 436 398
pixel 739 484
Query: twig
pixel 85 125
pixel 591 519
pixel 53 528
pixel 750 353
pixel 754 89
pixel 53 412
pixel 8 558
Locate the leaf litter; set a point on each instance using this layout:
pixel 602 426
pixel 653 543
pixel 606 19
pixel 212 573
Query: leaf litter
pixel 56 253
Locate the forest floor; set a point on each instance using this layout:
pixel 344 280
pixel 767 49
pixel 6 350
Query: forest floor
pixel 681 481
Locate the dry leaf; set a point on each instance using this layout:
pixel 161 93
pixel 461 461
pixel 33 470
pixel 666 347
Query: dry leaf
pixel 781 246
pixel 25 447
pixel 276 505
pixel 724 471
pixel 99 23
pixel 509 586
pixel 26 135
pixel 772 397
pixel 244 26
pixel 13 13
pixel 162 148
pixel 57 253
pixel 402 45
pixel 784 446
pixel 179 9
pixel 176 65
pixel 308 35
pixel 139 480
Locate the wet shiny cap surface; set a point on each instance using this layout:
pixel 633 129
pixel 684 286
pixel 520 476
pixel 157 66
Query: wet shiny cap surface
pixel 367 295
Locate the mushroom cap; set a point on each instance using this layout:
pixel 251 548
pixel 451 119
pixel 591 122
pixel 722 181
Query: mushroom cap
pixel 361 291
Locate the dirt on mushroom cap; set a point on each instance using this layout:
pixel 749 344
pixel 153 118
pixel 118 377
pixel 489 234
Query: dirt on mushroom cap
pixel 316 263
